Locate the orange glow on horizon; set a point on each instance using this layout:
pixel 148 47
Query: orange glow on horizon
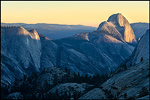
pixel 89 13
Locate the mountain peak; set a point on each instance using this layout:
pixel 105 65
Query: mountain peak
pixel 33 31
pixel 19 30
pixel 34 34
pixel 118 19
pixel 22 31
pixel 121 24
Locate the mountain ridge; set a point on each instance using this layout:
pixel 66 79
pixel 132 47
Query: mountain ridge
pixel 89 53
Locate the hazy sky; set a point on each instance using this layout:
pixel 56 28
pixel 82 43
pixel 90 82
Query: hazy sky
pixel 90 13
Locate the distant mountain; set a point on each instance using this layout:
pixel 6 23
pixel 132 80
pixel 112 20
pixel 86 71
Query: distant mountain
pixel 139 29
pixel 54 31
pixel 123 26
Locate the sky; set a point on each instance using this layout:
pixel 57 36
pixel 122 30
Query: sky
pixel 89 13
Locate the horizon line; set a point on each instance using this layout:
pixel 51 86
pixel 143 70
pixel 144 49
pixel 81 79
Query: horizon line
pixel 60 24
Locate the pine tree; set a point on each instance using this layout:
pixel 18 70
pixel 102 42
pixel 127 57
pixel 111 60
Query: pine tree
pixel 125 95
pixel 130 64
pixel 69 71
pixel 144 92
pixel 124 66
pixel 75 74
pixel 141 59
pixel 66 69
pixel 25 78
pixel 86 78
pixel 55 81
pixel 43 71
pixel 56 94
pixel 78 77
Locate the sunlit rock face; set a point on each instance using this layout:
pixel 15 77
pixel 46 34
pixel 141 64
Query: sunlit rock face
pixel 109 28
pixel 34 34
pixel 21 48
pixel 118 23
pixel 139 29
pixel 141 51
